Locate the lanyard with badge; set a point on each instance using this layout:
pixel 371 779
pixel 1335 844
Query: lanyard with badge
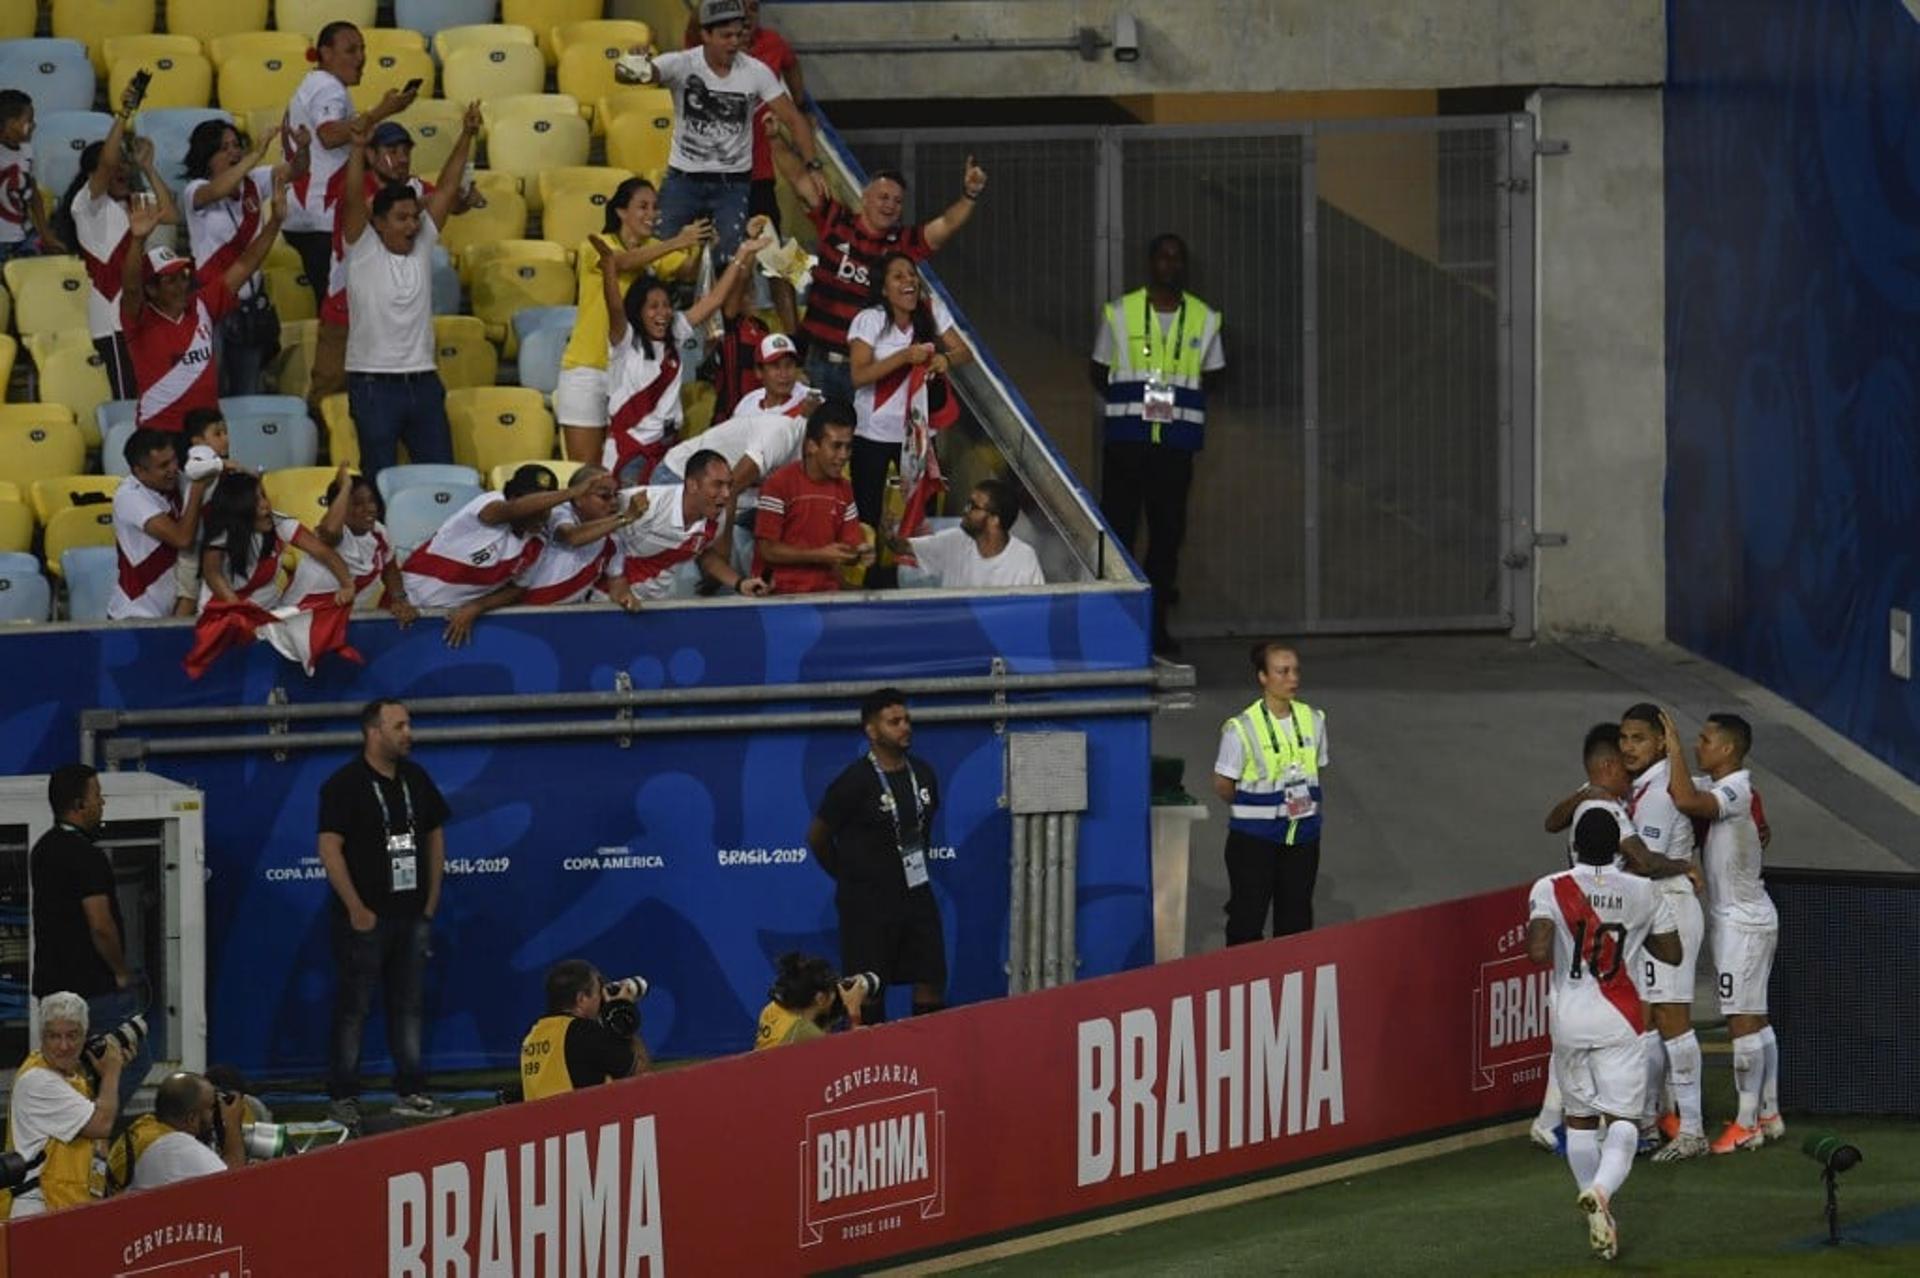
pixel 403 862
pixel 913 852
pixel 1296 791
pixel 1156 398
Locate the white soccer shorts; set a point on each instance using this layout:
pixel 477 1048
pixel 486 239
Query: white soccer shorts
pixel 1610 1080
pixel 580 397
pixel 1743 956
pixel 1673 982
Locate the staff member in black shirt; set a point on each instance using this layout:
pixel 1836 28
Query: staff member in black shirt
pixel 570 1047
pixel 79 938
pixel 872 835
pixel 384 849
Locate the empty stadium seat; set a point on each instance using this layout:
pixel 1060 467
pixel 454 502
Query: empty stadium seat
pixel 502 285
pixel 58 139
pixel 16 527
pixel 486 70
pixel 18 18
pixel 206 20
pixel 391 69
pixel 641 142
pixel 510 106
pixel 257 44
pixel 290 292
pixel 634 99
pixel 268 78
pixel 544 15
pixel 9 352
pixel 586 71
pixel 435 126
pixel 526 145
pixel 292 369
pixel 443 281
pixel 540 355
pixel 57 74
pixel 503 218
pixel 395 479
pixel 696 406
pixel 49 293
pixel 387 39
pixel 432 16
pixel 300 491
pixel 343 441
pixel 307 16
pixel 415 514
pixel 116 421
pixel 92 21
pixel 448 41
pixel 54 494
pixel 268 432
pixel 562 470
pixel 177 79
pixel 168 128
pixel 41 346
pixel 534 318
pixel 573 202
pixel 24 595
pixel 34 415
pixel 77 378
pixel 623 33
pixel 463 353
pixel 90 572
pixel 495 424
pixel 78 526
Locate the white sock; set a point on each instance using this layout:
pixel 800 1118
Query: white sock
pixel 1616 1156
pixel 1749 1065
pixel 1654 1051
pixel 1770 1081
pixel 1583 1154
pixel 1683 1065
pixel 1550 1108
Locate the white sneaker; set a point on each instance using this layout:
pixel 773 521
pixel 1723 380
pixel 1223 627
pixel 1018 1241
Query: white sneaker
pixel 1602 1235
pixel 1544 1138
pixel 1773 1126
pixel 1685 1145
pixel 346 1112
pixel 419 1105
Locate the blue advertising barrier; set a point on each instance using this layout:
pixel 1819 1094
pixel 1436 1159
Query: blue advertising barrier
pixel 678 857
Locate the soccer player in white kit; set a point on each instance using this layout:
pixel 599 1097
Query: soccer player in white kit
pixel 1594 924
pixel 1746 928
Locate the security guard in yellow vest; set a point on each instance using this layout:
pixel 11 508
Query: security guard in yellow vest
pixel 569 1047
pixel 1155 349
pixel 53 1118
pixel 1268 770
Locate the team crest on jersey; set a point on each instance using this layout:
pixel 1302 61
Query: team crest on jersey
pixel 874 1160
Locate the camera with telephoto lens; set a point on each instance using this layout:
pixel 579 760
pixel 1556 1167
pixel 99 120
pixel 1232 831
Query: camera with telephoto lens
pixel 619 1008
pixel 129 1035
pixel 868 983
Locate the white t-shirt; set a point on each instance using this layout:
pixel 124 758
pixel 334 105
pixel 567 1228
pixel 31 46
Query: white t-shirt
pixel 101 227
pixel 643 402
pixel 320 99
pixel 771 440
pixel 1232 757
pixel 882 405
pixel 755 401
pixel 955 558
pixel 1733 854
pixel 16 191
pixel 713 113
pixel 467 558
pixel 262 582
pixel 1661 825
pixel 566 574
pixel 366 555
pixel 44 1107
pixel 1613 808
pixel 661 540
pixel 1212 361
pixel 145 561
pixel 391 300
pixel 1605 915
pixel 172 1158
pixel 222 230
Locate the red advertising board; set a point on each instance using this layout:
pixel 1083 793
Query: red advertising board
pixel 891 1141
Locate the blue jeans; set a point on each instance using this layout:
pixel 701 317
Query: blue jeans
pixel 390 407
pixel 832 379
pixel 104 1011
pixel 393 953
pixel 723 197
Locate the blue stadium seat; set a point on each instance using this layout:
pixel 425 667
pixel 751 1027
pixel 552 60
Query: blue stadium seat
pixel 58 139
pixel 428 16
pixel 397 479
pixel 56 74
pixel 19 561
pixel 25 595
pixel 115 418
pixel 270 432
pixel 168 129
pixel 540 353
pixel 525 321
pixel 446 283
pixel 90 572
pixel 415 514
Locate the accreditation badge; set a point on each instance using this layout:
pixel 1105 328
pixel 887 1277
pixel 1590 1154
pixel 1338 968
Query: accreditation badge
pixel 403 863
pixel 1156 400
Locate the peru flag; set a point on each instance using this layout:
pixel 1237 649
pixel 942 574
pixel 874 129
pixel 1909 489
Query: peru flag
pixel 301 635
pixel 920 479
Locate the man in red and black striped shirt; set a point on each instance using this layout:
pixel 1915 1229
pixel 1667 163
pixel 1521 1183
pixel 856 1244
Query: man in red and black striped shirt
pixel 850 244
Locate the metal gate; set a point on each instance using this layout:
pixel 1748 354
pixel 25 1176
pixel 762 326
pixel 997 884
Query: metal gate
pixel 1369 459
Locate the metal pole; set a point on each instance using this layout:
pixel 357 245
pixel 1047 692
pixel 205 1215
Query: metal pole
pixel 1086 43
pixel 1069 897
pixel 1017 911
pixel 1050 905
pixel 1036 897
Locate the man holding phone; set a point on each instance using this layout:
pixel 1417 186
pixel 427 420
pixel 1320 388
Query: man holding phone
pixel 807 529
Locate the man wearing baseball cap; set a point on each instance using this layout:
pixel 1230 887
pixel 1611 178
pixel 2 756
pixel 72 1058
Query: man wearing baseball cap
pixel 781 390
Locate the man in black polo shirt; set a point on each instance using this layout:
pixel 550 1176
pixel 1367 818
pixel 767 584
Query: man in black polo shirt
pixel 872 834
pixel 383 845
pixel 570 1047
pixel 79 939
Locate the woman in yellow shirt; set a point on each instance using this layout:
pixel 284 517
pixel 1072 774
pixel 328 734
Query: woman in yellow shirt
pixel 580 398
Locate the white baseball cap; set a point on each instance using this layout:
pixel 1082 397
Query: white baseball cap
pixel 776 346
pixel 162 260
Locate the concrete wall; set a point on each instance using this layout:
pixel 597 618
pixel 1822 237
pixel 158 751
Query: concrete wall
pixel 1601 363
pixel 1233 46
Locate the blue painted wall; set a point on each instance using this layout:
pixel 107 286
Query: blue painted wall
pixel 1793 349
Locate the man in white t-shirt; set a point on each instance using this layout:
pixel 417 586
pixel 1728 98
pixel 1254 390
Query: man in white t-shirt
pixel 982 553
pixel 53 1118
pixel 393 379
pixel 716 91
pixel 185 1104
pixel 152 525
pixel 102 232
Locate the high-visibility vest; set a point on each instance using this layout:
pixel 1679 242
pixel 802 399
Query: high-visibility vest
pixel 63 1171
pixel 1269 752
pixel 1142 350
pixel 543 1058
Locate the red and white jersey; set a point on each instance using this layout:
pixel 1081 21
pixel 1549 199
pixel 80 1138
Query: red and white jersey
pixel 173 359
pixel 467 558
pixel 566 574
pixel 770 440
pixel 261 585
pixel 320 99
pixel 144 587
pixel 643 397
pixel 367 556
pixel 661 540
pixel 16 191
pixel 1732 856
pixel 755 401
pixel 1660 824
pixel 221 231
pixel 334 309
pixel 1601 919
pixel 101 228
pixel 1613 808
pixel 882 405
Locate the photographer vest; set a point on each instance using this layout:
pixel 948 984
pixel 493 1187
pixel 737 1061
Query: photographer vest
pixel 543 1058
pixel 780 1026
pixel 124 1154
pixel 63 1170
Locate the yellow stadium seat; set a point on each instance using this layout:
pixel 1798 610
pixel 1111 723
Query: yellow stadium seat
pixel 343 441
pixel 207 20
pixel 16 527
pixel 290 292
pixel 169 45
pixel 19 19
pixel 503 218
pixel 75 376
pixel 503 285
pixel 513 106
pixel 621 32
pixel 179 79
pixel 41 346
pixel 448 41
pixel 488 71
pixel 9 353
pixel 250 82
pixel 493 425
pixel 10 491
pixel 696 406
pixel 300 491
pixel 32 450
pixel 53 495
pixel 649 99
pixel 562 470
pixel 49 293
pixel 668 18
pixel 92 21
pixel 574 202
pixel 258 45
pixel 6 309
pixel 307 16
pixel 478 255
pixel 282 253
pixel 387 39
pixel 544 15
pixel 77 526
pixel 435 126
pixel 586 71
pixel 392 69
pixel 640 141
pixel 34 414
pixel 292 369
pixel 465 356
pixel 527 145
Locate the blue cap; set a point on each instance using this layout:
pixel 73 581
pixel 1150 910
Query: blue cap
pixel 390 134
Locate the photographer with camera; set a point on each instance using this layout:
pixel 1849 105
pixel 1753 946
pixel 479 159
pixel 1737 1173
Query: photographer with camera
pixel 590 1034
pixel 195 1129
pixel 807 998
pixel 53 1118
